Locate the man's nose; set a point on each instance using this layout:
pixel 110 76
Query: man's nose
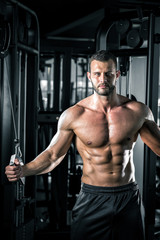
pixel 103 78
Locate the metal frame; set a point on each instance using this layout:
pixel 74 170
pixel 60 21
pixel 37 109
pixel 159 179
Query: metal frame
pixel 20 59
pixel 152 53
pixel 152 102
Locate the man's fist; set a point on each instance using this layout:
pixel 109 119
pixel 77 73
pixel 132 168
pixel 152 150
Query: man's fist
pixel 14 172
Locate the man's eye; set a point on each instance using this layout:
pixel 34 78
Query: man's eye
pixel 97 74
pixel 108 74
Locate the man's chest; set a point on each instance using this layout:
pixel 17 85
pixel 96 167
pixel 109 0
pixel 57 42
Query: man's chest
pixel 100 129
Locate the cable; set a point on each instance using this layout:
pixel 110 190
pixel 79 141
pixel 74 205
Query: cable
pixel 11 102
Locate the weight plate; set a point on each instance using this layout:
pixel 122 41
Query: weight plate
pixel 122 26
pixel 133 38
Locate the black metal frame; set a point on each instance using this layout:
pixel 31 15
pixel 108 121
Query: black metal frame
pixel 152 53
pixel 18 215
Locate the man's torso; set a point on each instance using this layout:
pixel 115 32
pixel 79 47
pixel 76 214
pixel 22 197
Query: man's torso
pixel 105 142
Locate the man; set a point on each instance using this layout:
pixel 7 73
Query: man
pixel 106 126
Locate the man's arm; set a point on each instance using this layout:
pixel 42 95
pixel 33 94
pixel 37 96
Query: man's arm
pixel 150 133
pixel 50 157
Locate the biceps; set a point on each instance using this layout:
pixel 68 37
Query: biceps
pixel 61 142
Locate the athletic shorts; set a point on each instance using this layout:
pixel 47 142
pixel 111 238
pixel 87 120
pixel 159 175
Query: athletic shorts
pixel 107 213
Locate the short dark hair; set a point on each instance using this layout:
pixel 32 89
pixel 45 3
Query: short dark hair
pixel 103 56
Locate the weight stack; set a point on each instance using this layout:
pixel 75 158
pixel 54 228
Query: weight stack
pixel 25 232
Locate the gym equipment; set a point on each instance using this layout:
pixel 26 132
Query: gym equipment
pixel 144 30
pixel 18 155
pixel 134 39
pixel 5 37
pixel 123 25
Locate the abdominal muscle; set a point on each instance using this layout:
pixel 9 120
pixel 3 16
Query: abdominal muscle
pixel 106 167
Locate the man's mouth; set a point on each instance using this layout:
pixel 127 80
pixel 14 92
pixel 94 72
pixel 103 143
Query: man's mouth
pixel 103 86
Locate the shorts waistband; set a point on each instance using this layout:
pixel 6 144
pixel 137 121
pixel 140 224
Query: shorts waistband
pixel 98 189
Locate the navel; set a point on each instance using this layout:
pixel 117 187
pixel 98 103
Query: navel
pixel 89 142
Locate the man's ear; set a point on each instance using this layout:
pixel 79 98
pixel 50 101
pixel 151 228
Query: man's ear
pixel 118 73
pixel 89 75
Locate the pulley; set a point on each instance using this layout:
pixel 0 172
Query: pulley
pixel 134 39
pixel 122 26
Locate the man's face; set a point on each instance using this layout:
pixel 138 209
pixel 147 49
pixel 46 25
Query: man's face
pixel 103 77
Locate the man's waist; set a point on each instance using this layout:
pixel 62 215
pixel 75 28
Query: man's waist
pixel 105 189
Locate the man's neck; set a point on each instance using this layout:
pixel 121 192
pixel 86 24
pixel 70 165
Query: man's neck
pixel 105 103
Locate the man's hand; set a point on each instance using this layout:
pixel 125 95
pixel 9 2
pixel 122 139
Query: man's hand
pixel 14 172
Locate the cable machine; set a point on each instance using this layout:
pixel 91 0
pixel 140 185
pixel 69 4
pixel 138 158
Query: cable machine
pixel 19 63
pixel 134 37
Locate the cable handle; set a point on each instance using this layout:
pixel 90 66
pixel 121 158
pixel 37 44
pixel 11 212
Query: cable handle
pixel 17 148
pixel 17 155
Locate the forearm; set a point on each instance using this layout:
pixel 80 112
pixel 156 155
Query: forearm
pixel 43 163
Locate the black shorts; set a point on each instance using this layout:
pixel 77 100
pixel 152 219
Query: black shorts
pixel 107 213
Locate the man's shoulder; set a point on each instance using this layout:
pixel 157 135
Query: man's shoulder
pixel 73 113
pixel 139 108
pixel 80 107
pixel 134 105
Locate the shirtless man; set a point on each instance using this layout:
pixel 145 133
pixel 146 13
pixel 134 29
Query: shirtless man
pixel 106 126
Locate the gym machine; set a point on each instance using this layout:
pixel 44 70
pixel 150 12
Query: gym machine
pixel 134 37
pixel 57 195
pixel 19 63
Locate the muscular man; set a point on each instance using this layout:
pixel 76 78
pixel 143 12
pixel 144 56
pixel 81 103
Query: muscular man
pixel 106 126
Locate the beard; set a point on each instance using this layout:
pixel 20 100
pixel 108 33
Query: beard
pixel 108 90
